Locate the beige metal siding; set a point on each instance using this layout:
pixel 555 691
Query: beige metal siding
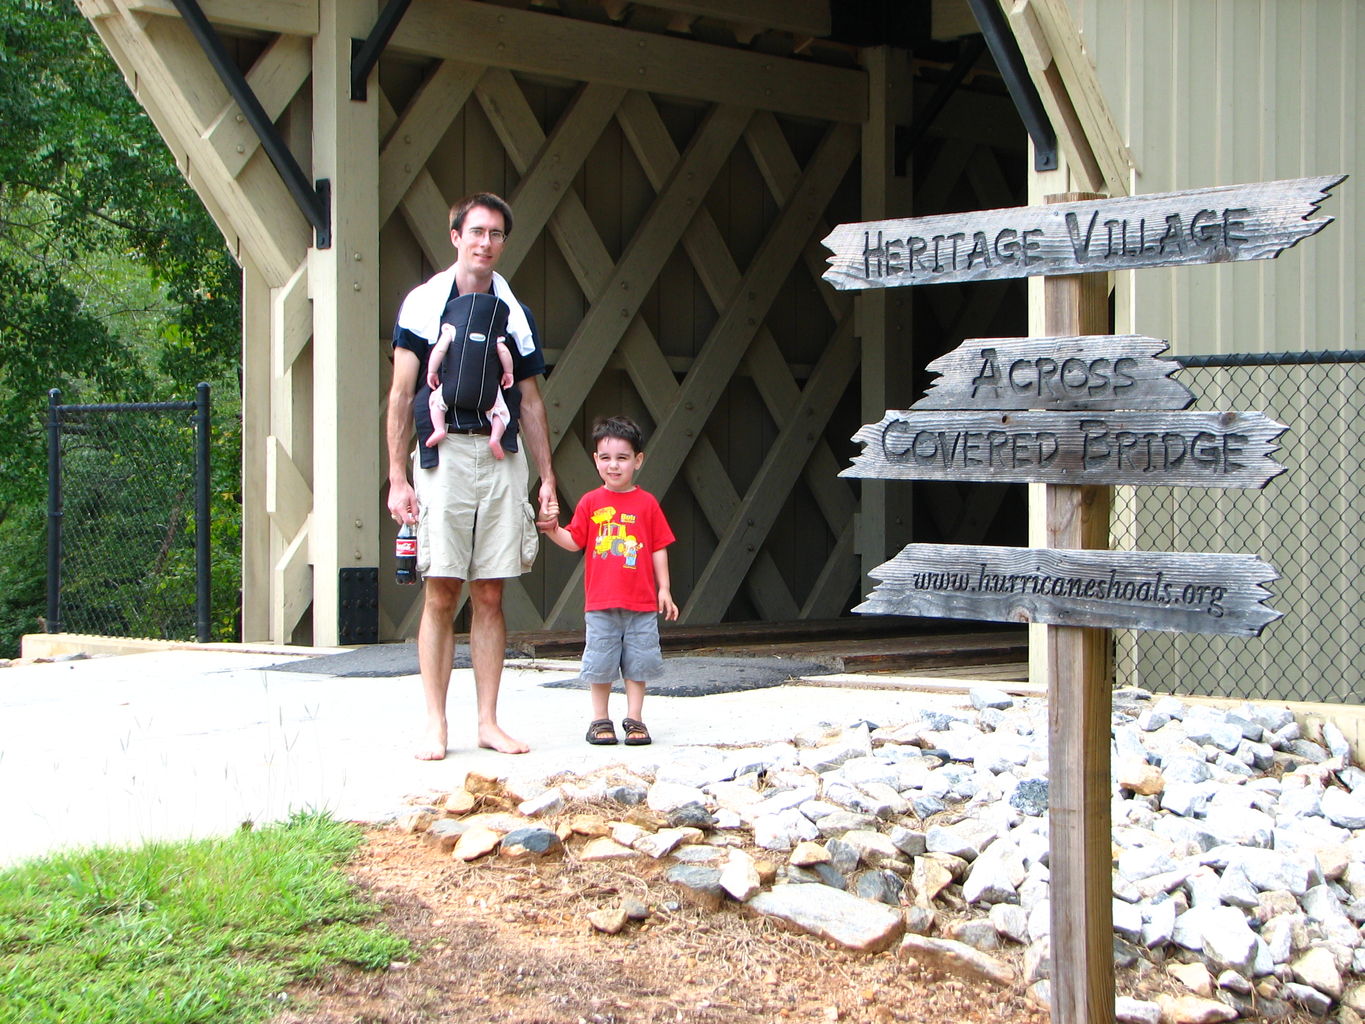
pixel 1221 92
pixel 1215 92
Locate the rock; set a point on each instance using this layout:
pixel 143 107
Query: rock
pixel 660 844
pixel 851 922
pixel 1344 808
pixel 843 856
pixel 1195 977
pixel 611 920
pixel 1231 981
pixel 958 958
pixel 874 849
pixel 700 854
pixel 1128 1010
pixel 1309 998
pixel 808 853
pixel 1010 920
pixel 669 796
pixel 634 909
pixel 1318 968
pixel 739 876
pixel 460 802
pixel 475 842
pixel 627 833
pixel 910 842
pixel 603 848
pixel 629 794
pixel 880 885
pixel 1030 797
pixel 447 831
pixel 589 825
pixel 965 839
pixel 1228 941
pixel 979 934
pixel 983 697
pixel 995 876
pixel 691 815
pixel 920 920
pixel 531 842
pixel 1194 1010
pixel 1138 776
pixel 701 883
pixel 929 877
pixel 819 874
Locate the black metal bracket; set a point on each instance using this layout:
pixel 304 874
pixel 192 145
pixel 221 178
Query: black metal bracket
pixel 313 200
pixel 365 53
pixel 358 605
pixel 1005 49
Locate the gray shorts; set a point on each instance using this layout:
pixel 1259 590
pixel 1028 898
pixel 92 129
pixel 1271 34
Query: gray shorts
pixel 621 645
pixel 473 521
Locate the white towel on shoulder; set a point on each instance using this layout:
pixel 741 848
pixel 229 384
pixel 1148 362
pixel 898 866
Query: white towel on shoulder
pixel 421 310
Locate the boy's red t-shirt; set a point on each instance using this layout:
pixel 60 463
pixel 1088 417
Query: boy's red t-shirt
pixel 619 532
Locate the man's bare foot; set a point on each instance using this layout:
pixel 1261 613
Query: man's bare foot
pixel 435 747
pixel 491 737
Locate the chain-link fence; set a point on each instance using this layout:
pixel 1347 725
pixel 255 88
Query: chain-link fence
pixel 128 525
pixel 1307 523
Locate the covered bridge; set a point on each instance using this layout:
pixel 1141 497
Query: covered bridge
pixel 673 166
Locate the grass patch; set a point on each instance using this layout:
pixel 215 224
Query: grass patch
pixel 203 932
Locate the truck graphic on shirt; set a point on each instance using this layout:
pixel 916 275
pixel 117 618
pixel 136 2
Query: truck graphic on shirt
pixel 614 538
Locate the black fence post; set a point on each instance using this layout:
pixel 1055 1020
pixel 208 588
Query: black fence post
pixel 202 531
pixel 54 511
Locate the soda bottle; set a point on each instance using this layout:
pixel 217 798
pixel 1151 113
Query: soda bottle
pixel 405 554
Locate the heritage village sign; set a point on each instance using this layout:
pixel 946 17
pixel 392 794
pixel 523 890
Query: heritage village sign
pixel 1079 413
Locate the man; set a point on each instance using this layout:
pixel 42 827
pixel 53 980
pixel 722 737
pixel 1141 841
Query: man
pixel 470 508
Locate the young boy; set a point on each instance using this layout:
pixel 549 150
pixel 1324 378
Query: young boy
pixel 477 372
pixel 625 578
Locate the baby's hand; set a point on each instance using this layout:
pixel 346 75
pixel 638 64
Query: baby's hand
pixel 433 380
pixel 505 382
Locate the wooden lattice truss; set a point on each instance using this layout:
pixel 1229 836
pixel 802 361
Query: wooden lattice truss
pixel 312 473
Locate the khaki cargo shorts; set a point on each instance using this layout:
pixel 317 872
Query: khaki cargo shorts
pixel 474 522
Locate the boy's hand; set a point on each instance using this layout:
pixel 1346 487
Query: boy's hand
pixel 667 608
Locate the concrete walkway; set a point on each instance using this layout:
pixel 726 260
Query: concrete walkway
pixel 179 743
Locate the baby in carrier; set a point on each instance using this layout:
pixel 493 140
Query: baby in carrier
pixel 470 365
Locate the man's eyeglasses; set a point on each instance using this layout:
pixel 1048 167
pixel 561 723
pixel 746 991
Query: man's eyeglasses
pixel 495 236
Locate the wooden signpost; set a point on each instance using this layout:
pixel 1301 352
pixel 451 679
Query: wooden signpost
pixel 1208 225
pixel 1078 412
pixel 1183 593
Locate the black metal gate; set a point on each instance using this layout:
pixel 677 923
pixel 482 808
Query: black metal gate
pixel 128 518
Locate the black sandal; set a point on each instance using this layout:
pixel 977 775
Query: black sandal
pixel 636 733
pixel 602 733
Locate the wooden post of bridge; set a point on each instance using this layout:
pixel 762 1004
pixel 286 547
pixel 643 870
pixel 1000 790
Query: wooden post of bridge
pixel 1079 708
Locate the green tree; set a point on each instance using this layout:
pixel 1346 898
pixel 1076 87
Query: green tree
pixel 114 283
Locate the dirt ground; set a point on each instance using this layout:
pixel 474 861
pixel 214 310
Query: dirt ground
pixel 510 942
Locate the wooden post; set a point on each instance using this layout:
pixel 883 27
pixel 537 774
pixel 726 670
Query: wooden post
pixel 1079 709
pixel 343 283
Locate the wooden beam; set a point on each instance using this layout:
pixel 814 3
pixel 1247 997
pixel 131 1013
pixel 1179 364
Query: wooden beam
pixel 734 330
pixel 592 266
pixel 782 462
pixel 291 321
pixel 343 281
pixel 256 393
pixel 412 139
pixel 1080 677
pixel 550 178
pixel 288 498
pixel 1070 88
pixel 799 17
pixel 578 50
pixel 654 241
pixel 168 68
pixel 289 17
pixel 292 587
pixel 275 79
